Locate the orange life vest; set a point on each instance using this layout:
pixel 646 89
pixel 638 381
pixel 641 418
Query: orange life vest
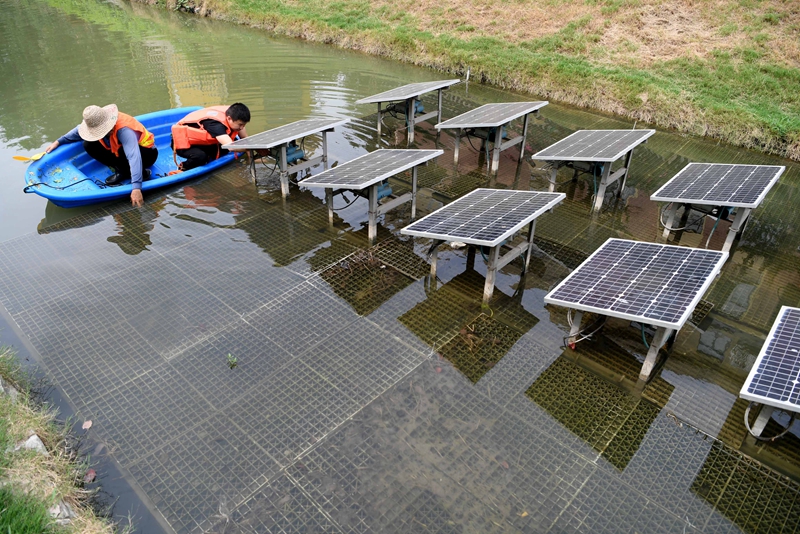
pixel 124 120
pixel 189 131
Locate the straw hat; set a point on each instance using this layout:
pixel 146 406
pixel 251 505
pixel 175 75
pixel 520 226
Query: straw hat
pixel 97 122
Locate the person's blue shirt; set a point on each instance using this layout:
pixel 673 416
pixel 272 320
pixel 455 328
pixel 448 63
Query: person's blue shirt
pixel 130 144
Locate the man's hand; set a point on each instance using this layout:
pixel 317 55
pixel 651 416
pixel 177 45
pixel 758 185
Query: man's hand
pixel 136 198
pixel 53 146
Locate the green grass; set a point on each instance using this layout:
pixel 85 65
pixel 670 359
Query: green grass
pixel 22 514
pixel 736 96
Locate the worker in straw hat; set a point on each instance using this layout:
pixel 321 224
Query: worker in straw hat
pixel 116 140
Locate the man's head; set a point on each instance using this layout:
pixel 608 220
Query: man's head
pixel 238 116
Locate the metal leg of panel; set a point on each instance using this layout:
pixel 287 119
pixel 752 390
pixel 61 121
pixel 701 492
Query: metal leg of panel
pixel 284 173
pixel 457 146
pixel 329 203
pixel 531 229
pixel 380 116
pixel 762 419
pixel 414 192
pixel 439 110
pixel 491 274
pixel 498 140
pixel 661 336
pixel 670 219
pixel 601 189
pixel 325 150
pixel 576 326
pixel 553 177
pixel 471 258
pixel 624 177
pixel 738 224
pixel 252 154
pixel 524 137
pixel 411 104
pixel 434 261
pixel 372 232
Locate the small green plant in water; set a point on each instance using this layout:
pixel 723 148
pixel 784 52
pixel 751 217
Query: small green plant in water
pixel 232 360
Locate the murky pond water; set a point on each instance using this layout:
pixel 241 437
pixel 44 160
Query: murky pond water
pixel 364 398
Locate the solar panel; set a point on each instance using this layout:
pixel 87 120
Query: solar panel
pixel 491 115
pixel 594 145
pixel 484 216
pixel 775 376
pixel 284 134
pixel 371 168
pixel 407 91
pixel 652 283
pixel 720 184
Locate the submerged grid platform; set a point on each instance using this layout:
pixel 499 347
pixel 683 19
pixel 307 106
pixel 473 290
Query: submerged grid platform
pixel 344 413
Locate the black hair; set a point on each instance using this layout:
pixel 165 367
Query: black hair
pixel 238 112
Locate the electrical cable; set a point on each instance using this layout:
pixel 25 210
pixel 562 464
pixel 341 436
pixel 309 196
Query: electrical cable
pixel 601 320
pixel 671 229
pixel 348 203
pixel 644 339
pixel 712 231
pixel 101 185
pixel 761 438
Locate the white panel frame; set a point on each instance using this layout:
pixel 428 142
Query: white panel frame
pixel 425 155
pixel 743 393
pixel 677 325
pixel 609 159
pixel 381 97
pixel 333 123
pixel 453 124
pixel 705 202
pixel 557 199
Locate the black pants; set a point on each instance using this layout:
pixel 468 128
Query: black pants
pixel 198 155
pixel 120 163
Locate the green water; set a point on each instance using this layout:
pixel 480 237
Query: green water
pixel 363 398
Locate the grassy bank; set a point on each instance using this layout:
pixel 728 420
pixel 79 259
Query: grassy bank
pixel 727 69
pixel 31 482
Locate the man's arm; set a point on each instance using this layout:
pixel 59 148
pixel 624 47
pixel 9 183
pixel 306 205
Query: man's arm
pixel 71 136
pixel 130 143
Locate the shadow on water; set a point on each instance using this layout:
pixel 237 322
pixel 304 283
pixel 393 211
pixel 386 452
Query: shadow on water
pixel 368 396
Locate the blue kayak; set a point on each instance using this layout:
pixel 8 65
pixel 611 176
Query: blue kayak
pixel 74 178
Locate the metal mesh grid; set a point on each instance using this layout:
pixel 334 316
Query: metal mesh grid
pixel 233 269
pixel 208 363
pixel 700 312
pixel 744 491
pixel 517 370
pixel 33 272
pixel 291 410
pixel 280 507
pixel 363 361
pixel 364 281
pixel 165 404
pixel 301 318
pixel 570 394
pixel 459 185
pixel 400 255
pixel 479 346
pixel 198 479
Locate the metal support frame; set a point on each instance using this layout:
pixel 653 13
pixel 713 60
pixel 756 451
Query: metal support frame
pixel 576 326
pixel 762 419
pixel 737 227
pixel 287 169
pixel 496 260
pixel 606 179
pixel 376 209
pixel 498 143
pixel 659 339
pixel 411 117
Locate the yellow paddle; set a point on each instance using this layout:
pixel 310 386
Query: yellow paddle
pixel 35 157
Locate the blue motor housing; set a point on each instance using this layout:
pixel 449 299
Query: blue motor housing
pixel 384 190
pixel 294 153
pixel 419 109
pixel 493 131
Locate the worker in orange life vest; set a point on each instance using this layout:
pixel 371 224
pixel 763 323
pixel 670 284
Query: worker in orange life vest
pixel 116 140
pixel 199 135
